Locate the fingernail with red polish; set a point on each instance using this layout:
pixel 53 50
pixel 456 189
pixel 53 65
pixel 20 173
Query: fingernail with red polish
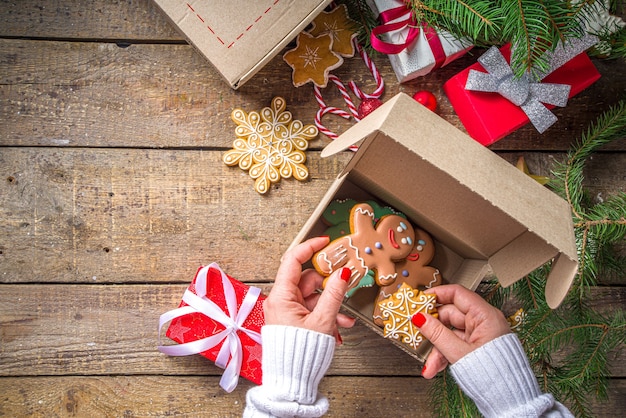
pixel 418 319
pixel 423 369
pixel 339 339
pixel 345 274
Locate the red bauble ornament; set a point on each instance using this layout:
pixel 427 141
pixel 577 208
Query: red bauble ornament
pixel 367 106
pixel 427 99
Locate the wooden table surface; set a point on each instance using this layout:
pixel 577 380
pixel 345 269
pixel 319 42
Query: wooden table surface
pixel 113 193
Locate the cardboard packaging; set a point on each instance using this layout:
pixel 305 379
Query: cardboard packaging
pixel 196 321
pixel 419 57
pixel 482 212
pixel 239 37
pixel 489 117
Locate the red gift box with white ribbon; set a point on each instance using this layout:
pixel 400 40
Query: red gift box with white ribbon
pixel 219 318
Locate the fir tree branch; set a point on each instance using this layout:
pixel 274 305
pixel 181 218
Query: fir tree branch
pixel 609 127
pixel 588 223
pixel 532 294
pixel 567 330
pixel 536 324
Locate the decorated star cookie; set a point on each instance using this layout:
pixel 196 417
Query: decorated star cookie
pixel 312 59
pixel 340 27
pixel 270 145
pixel 397 311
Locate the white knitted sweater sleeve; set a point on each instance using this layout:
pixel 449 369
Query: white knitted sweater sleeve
pixel 294 362
pixel 498 378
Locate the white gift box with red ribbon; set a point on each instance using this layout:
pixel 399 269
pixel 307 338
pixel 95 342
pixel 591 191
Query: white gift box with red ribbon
pixel 414 48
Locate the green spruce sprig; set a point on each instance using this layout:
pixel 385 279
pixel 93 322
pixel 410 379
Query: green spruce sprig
pixel 597 226
pixel 531 26
pixel 481 21
pixel 567 347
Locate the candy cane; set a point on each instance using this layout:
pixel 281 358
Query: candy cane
pixel 332 110
pixel 380 84
pixel 354 112
pixel 335 111
pixel 344 93
pixel 325 109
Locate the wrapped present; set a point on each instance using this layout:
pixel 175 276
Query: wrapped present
pixel 491 103
pixel 415 49
pixel 219 318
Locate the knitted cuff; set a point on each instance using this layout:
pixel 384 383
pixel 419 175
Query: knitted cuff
pixel 498 377
pixel 294 361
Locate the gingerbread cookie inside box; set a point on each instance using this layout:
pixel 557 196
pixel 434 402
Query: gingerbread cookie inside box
pixel 482 213
pixel 380 247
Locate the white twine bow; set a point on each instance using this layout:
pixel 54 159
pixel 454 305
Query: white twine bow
pixel 231 349
pixel 523 92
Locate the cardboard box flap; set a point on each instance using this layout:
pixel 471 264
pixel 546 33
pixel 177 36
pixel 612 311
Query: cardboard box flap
pixel 458 190
pixel 240 37
pixel 562 273
pixel 507 264
pixel 366 127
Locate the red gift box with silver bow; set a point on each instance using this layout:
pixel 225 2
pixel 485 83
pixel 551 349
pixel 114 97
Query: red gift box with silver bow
pixel 219 318
pixel 486 96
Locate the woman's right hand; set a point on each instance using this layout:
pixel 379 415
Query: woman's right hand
pixel 474 323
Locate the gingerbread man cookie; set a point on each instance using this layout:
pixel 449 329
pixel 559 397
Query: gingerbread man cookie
pixel 337 215
pixel 368 247
pixel 413 270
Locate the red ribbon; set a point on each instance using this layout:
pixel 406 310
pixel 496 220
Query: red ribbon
pixel 407 21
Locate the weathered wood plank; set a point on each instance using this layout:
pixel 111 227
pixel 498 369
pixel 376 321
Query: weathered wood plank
pixel 111 329
pixel 95 213
pixel 96 243
pixel 132 215
pixel 194 396
pixel 144 215
pixel 164 95
pixel 99 330
pixel 90 19
pixel 131 396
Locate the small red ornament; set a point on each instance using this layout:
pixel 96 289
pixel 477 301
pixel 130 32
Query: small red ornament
pixel 427 99
pixel 367 106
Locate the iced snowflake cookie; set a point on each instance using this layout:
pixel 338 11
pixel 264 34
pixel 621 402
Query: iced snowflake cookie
pixel 270 145
pixel 368 247
pixel 414 271
pixel 397 311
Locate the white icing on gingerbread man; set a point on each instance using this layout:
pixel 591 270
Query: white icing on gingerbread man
pixel 368 247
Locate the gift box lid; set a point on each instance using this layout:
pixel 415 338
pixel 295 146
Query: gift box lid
pixel 240 37
pixel 464 194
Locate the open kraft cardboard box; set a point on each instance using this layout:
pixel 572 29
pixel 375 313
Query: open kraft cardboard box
pixel 237 36
pixel 483 213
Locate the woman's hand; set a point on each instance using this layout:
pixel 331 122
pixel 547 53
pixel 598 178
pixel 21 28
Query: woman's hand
pixel 475 322
pixel 294 301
